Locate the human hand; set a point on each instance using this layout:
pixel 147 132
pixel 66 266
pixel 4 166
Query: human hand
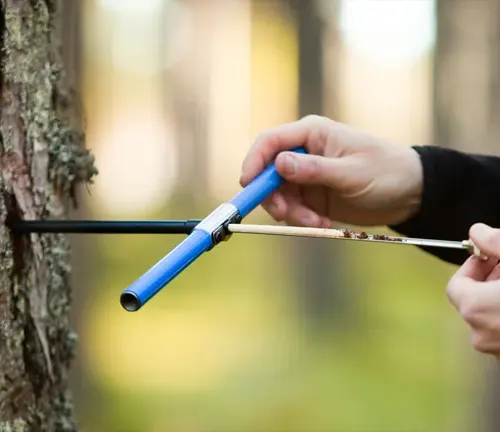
pixel 347 176
pixel 474 290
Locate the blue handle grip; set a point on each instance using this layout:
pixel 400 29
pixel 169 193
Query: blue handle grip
pixel 165 270
pixel 259 189
pixel 199 241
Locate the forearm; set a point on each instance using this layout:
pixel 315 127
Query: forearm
pixel 459 190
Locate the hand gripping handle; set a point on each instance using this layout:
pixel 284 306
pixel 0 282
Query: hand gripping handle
pixel 208 233
pixel 259 189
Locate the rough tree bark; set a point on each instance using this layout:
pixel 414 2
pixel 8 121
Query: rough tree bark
pixel 42 160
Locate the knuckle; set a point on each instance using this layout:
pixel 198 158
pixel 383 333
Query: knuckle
pixel 479 342
pixel 273 211
pixel 276 217
pixel 313 119
pixel 470 313
pixel 267 142
pixel 311 171
pixel 451 292
pixel 471 310
pixel 264 137
pixel 467 303
pixel 485 236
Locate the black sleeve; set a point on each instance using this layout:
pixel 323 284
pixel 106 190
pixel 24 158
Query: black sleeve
pixel 459 190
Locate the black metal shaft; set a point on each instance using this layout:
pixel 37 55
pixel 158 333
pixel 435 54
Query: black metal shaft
pixel 103 226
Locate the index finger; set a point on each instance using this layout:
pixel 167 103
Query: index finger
pixel 472 271
pixel 476 269
pixel 273 141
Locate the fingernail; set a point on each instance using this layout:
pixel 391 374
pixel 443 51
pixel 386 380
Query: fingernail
pixel 289 164
pixel 326 223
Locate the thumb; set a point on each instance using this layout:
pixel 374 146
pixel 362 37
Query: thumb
pixel 309 169
pixel 486 238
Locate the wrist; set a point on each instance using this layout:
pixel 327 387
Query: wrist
pixel 411 164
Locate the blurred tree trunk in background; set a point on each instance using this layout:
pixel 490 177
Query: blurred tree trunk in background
pixel 42 160
pixel 319 264
pixel 187 92
pixel 467 75
pixel 467 106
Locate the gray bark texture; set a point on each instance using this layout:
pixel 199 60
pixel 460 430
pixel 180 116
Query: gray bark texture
pixel 42 160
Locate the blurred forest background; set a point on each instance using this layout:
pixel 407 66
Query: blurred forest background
pixel 272 334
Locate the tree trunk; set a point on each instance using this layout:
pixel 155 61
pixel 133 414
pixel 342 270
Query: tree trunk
pixel 187 92
pixel 318 276
pixel 467 102
pixel 42 160
pixel 466 75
